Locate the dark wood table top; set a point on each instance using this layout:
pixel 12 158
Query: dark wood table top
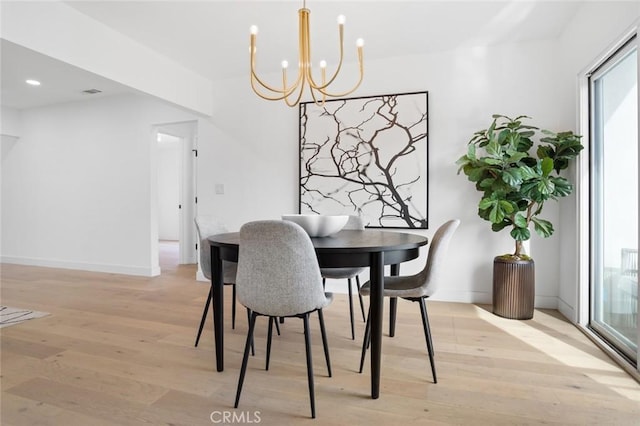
pixel 368 240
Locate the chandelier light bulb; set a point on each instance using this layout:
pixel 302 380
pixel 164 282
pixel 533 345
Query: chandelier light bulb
pixel 285 65
pixel 323 64
pixel 341 19
pixel 253 29
pixel 359 42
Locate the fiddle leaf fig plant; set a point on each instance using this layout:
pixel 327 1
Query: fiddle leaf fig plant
pixel 514 184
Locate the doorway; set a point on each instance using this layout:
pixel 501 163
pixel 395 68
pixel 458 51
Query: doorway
pixel 176 189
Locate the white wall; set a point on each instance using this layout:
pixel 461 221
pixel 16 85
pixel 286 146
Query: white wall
pixel 10 122
pixel 79 186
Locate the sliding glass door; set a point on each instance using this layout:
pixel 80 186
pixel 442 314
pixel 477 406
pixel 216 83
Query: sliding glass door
pixel 614 200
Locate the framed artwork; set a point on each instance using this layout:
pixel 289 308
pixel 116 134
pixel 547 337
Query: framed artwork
pixel 366 156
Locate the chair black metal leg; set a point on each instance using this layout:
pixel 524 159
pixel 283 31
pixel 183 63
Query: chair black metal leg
pixel 233 307
pixel 427 336
pixel 277 326
pixel 365 341
pixel 353 333
pixel 393 309
pixel 307 341
pixel 325 345
pixel 360 297
pixel 245 358
pixel 253 349
pixel 269 334
pixel 204 317
pixel 393 303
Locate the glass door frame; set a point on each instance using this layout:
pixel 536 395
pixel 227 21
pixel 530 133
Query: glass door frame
pixel 584 203
pixel 608 332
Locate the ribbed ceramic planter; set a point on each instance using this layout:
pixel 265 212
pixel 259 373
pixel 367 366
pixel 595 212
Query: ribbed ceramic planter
pixel 513 288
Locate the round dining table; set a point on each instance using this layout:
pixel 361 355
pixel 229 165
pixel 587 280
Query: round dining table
pixel 370 248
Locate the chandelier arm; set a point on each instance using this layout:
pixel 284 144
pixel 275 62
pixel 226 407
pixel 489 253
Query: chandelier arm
pixel 266 97
pixel 321 102
pixel 324 84
pixel 282 94
pixel 297 101
pixel 254 75
pixel 339 95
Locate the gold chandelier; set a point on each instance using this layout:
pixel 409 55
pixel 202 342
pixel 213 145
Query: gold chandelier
pixel 319 91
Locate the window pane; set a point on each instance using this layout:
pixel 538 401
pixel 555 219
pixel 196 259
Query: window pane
pixel 615 202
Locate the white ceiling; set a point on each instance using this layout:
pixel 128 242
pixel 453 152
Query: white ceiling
pixel 211 37
pixel 61 82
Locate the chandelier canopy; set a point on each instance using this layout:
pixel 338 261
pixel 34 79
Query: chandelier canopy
pixel 292 93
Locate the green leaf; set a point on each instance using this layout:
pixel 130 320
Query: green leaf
pixel 520 221
pixel 496 215
pixel 494 149
pixel 546 187
pixel 529 190
pixel 512 176
pixel 475 174
pixel 496 227
pixel 506 206
pixel 471 151
pixel 562 186
pixel 502 136
pixel 545 151
pixel 544 228
pixel 486 183
pixel 486 203
pixel 520 234
pixel 546 166
pixel 492 161
pixel 515 156
pixel 527 173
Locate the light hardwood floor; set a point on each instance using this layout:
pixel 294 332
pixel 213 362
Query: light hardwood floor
pixel 118 350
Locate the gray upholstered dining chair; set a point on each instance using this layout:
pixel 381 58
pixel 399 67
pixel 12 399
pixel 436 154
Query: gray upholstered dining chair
pixel 278 276
pixel 418 287
pixel 207 226
pixel 354 222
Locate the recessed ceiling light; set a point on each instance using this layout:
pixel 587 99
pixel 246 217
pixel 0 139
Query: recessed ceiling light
pixel 33 82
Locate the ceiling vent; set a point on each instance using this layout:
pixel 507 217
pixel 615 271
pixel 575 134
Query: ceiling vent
pixel 92 91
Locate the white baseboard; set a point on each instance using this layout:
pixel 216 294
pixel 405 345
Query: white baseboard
pixel 442 294
pixel 568 311
pixel 546 302
pixel 92 267
pixel 445 295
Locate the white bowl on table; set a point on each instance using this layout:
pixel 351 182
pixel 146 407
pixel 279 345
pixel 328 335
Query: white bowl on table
pixel 318 225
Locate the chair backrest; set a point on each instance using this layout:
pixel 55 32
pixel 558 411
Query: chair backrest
pixel 278 272
pixel 437 253
pixel 206 227
pixel 354 222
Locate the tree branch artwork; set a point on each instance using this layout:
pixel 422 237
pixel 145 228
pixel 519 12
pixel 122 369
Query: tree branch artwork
pixel 366 156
